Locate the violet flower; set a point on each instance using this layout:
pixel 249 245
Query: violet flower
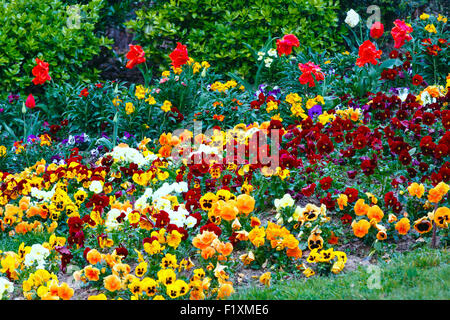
pixel 315 110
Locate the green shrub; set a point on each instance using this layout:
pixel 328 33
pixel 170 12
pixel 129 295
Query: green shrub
pixel 40 28
pixel 216 30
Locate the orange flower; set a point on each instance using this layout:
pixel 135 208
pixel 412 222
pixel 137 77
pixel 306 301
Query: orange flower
pixel 294 253
pixel 224 248
pixel 435 195
pixel 255 222
pixel 333 239
pixel 342 201
pixel 402 226
pixel 225 290
pixel 228 210
pixel 245 203
pixel 361 208
pixel 208 252
pixel 24 203
pixel 165 151
pixel 416 190
pixel 360 228
pixel 256 236
pixel 65 292
pixel 203 240
pixel 91 273
pixel 33 211
pixel 376 213
pixel 112 283
pixel 93 256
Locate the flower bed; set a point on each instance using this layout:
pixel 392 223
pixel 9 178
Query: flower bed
pixel 289 179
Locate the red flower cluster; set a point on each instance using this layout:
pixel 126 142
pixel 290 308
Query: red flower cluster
pixel 309 72
pixel 135 56
pixel 179 55
pixel 40 72
pixel 284 46
pixel 368 53
pixel 401 33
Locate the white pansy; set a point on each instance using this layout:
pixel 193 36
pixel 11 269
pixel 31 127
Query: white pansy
pixel 181 187
pixel 71 140
pixel 190 222
pixel 177 218
pixel 141 203
pixel 96 186
pixel 111 222
pixel 5 286
pixel 427 98
pixel 403 93
pixel 284 202
pixel 37 255
pixel 352 18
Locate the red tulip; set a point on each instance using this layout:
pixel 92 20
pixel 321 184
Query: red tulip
pixel 377 30
pixel 30 102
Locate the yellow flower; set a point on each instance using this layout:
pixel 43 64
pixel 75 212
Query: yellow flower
pixel 271 105
pixel 150 100
pixel 205 64
pixel 116 101
pixel 174 238
pixel 265 279
pixel 100 296
pixel 196 67
pixel 424 16
pixel 129 108
pixel 430 28
pixel 2 151
pixel 167 105
pixel 308 272
pixel 166 74
pixel 140 92
pixel 442 18
pixel 416 190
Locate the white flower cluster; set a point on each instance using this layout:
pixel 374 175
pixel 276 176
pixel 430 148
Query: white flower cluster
pixel 5 286
pixel 427 98
pixel 203 148
pixel 268 60
pixel 159 200
pixel 37 255
pixel 127 155
pixel 111 222
pixel 43 195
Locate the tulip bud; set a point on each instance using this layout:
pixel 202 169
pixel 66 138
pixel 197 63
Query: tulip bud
pixel 24 109
pixel 30 102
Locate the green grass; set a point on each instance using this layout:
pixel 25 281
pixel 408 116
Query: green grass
pixel 422 274
pixel 12 243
